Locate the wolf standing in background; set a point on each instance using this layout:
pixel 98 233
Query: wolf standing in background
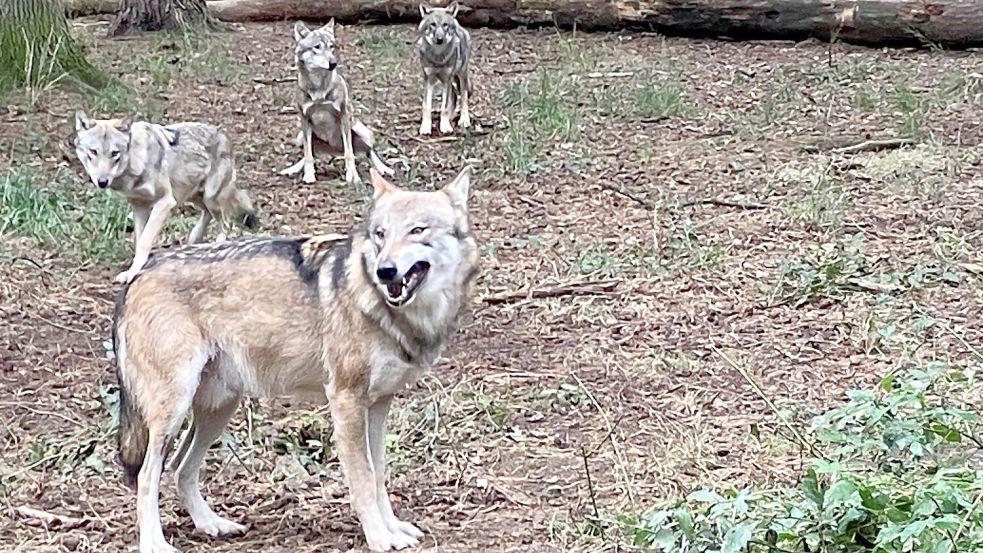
pixel 327 118
pixel 157 168
pixel 352 319
pixel 445 51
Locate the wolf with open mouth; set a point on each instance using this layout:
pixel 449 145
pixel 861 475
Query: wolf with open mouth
pixel 352 319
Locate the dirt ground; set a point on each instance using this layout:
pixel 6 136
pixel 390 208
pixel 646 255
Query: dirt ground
pixel 682 209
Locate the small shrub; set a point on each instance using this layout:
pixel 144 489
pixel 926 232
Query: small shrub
pixel 891 471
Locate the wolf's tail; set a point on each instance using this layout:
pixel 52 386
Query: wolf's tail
pixel 248 216
pixel 133 434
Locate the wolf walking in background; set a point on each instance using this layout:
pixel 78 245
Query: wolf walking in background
pixel 156 168
pixel 327 117
pixel 445 51
pixel 351 319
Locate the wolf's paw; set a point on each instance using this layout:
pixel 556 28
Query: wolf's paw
pixel 294 169
pixel 218 527
pixel 397 526
pixel 445 126
pixel 127 276
pixel 351 175
pixel 426 127
pixel 157 545
pixel 388 541
pixel 309 176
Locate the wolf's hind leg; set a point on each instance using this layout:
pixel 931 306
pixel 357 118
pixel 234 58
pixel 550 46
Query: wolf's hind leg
pixel 208 423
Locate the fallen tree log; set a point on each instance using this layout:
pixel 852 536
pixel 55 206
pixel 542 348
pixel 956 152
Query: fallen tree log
pixel 949 23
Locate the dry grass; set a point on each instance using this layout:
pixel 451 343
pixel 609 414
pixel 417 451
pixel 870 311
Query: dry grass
pixel 625 175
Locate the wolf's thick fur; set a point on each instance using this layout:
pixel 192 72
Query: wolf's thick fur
pixel 158 167
pixel 327 118
pixel 353 319
pixel 445 52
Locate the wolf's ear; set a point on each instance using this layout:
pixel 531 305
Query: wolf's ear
pixel 329 26
pixel 300 31
pixel 452 9
pixel 425 10
pixel 457 189
pixel 380 185
pixel 82 121
pixel 123 125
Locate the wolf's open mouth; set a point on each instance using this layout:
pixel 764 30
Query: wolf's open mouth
pixel 400 292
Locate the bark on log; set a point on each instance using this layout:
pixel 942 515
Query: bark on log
pixel 950 23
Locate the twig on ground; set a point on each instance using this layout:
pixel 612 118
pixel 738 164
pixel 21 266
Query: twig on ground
pixel 273 80
pixel 50 519
pixel 761 393
pixel 874 145
pixel 579 288
pixel 610 75
pixel 725 203
pixel 644 203
pixel 590 483
pixel 619 457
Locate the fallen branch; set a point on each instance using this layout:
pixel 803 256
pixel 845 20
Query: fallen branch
pixel 874 145
pixel 580 288
pixel 725 203
pixel 50 520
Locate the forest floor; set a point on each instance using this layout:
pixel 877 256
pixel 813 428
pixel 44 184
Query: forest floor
pixel 689 204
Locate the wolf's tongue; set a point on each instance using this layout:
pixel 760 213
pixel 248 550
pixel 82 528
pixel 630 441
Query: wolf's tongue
pixel 395 289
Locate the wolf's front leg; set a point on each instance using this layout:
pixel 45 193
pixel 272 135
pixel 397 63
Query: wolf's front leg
pixel 308 153
pixel 464 85
pixel 426 124
pixel 350 419
pixel 377 444
pixel 447 106
pixel 351 174
pixel 145 243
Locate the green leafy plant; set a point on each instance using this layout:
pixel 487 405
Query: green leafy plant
pixel 892 471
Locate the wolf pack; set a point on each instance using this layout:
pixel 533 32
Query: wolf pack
pixel 351 319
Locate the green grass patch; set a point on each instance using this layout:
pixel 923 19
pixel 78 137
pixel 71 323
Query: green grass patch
pixel 658 97
pixel 90 226
pixel 541 112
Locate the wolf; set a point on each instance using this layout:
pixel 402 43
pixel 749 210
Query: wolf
pixel 156 168
pixel 445 52
pixel 327 117
pixel 351 319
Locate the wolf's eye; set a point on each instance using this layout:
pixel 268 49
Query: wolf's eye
pixel 418 230
pixel 317 46
pixel 114 154
pixel 93 153
pixel 380 234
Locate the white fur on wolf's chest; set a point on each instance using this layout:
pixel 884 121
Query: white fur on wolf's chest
pixel 390 374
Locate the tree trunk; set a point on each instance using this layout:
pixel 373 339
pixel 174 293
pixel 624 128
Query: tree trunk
pixel 38 51
pixel 157 15
pixel 950 23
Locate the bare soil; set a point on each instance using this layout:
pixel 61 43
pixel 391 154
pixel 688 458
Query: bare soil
pixel 665 245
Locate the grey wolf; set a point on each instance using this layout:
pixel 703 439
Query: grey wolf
pixel 351 319
pixel 445 52
pixel 156 168
pixel 327 118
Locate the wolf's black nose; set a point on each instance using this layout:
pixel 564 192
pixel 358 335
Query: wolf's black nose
pixel 386 271
pixel 332 65
pixel 103 182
